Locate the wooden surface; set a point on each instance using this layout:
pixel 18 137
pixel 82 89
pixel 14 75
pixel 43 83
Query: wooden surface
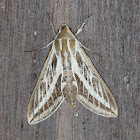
pixel 113 31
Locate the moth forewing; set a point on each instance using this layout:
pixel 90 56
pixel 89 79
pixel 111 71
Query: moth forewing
pixel 69 74
pixel 46 96
pixel 99 99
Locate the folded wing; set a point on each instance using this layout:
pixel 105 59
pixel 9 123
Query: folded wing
pixel 47 95
pixel 93 93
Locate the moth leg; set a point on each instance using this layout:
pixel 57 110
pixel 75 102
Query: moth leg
pixel 82 26
pixel 52 25
pixel 89 49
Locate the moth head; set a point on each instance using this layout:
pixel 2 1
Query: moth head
pixel 64 32
pixel 64 28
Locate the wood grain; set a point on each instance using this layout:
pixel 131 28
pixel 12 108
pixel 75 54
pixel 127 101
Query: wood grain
pixel 113 31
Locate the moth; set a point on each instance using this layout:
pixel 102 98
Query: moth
pixel 68 74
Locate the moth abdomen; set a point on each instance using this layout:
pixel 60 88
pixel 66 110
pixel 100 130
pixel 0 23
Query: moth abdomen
pixel 70 91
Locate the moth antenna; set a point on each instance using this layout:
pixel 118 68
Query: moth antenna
pixel 46 46
pixel 52 25
pixel 82 26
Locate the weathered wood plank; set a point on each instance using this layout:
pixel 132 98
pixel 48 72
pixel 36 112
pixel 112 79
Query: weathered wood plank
pixel 112 31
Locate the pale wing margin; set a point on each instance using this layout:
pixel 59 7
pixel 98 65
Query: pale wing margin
pixel 46 96
pixel 93 93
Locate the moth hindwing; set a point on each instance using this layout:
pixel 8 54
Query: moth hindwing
pixel 69 74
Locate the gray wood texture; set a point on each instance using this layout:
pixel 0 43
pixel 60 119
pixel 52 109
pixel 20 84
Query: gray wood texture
pixel 113 31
